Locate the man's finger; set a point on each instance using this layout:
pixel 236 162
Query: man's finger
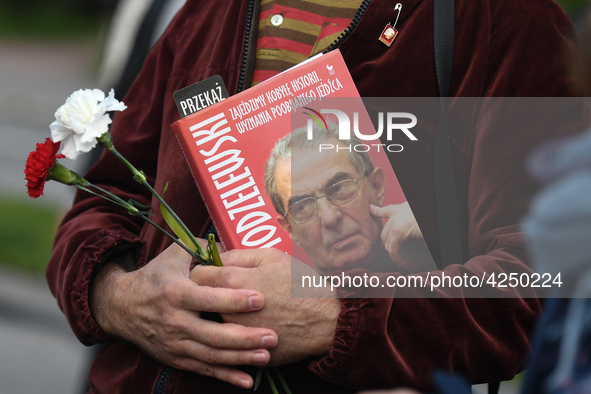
pixel 247 258
pixel 215 356
pixel 382 212
pixel 386 233
pixel 207 275
pixel 211 296
pixel 232 336
pixel 175 253
pixel 220 372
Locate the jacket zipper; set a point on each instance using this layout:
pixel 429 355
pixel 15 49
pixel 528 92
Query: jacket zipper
pixel 248 31
pixel 163 380
pixel 350 28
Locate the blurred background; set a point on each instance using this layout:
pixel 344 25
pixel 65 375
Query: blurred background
pixel 48 49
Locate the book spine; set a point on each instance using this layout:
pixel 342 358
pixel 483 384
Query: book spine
pixel 231 188
pixel 224 233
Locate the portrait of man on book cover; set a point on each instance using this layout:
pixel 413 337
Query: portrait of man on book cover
pixel 340 208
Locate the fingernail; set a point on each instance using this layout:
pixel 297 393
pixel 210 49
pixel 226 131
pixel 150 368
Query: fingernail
pixel 244 383
pixel 260 358
pixel 255 302
pixel 268 340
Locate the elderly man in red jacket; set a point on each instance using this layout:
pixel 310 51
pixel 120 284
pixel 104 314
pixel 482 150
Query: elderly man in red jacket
pixel 118 281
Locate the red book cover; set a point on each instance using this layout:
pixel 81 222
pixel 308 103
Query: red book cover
pixel 227 144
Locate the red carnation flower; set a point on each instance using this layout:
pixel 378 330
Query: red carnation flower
pixel 38 165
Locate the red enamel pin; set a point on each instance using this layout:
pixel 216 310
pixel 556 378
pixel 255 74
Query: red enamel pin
pixel 389 33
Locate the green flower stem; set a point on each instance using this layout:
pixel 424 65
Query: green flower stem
pixel 200 248
pixel 138 175
pixel 113 198
pixel 141 178
pixel 182 245
pixel 134 211
pixel 101 196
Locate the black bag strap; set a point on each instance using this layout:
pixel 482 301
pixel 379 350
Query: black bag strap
pixel 448 222
pixel 450 240
pixel 141 47
pixel 494 387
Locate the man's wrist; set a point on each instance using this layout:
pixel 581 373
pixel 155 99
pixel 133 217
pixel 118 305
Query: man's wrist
pixel 332 310
pixel 102 288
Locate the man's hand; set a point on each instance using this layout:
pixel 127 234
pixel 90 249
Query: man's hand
pixel 158 308
pixel 305 326
pixel 403 239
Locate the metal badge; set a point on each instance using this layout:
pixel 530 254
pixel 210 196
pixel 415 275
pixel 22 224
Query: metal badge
pixel 389 33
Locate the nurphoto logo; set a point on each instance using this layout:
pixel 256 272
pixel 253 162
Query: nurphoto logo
pixel 395 122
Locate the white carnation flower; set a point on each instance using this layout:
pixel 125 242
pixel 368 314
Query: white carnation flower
pixel 83 119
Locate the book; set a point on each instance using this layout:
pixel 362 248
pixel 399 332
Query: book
pixel 227 144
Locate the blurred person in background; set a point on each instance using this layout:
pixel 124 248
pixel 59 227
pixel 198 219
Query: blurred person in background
pixel 135 27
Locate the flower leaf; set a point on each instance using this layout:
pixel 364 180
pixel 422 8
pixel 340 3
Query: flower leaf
pixel 283 382
pixel 257 379
pixel 139 205
pixel 177 229
pixel 139 177
pixel 271 382
pixel 212 247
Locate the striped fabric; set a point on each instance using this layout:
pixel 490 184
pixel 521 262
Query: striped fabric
pixel 307 28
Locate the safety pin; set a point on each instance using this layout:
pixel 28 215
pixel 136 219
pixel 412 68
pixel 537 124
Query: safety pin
pixel 389 33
